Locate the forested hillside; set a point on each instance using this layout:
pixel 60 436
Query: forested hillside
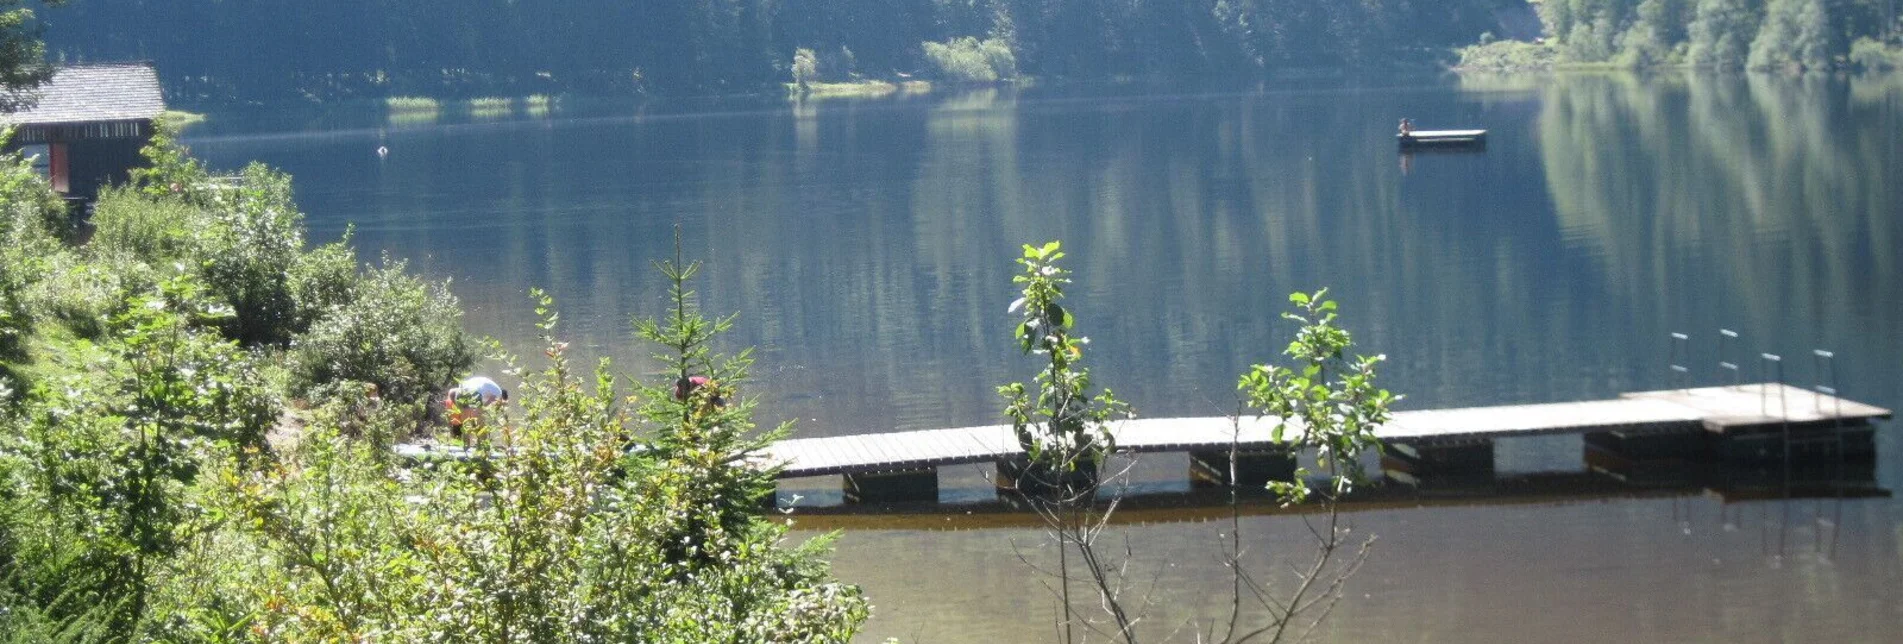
pixel 278 48
pixel 1715 34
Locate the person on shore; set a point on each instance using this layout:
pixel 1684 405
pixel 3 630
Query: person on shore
pixel 687 387
pixel 466 401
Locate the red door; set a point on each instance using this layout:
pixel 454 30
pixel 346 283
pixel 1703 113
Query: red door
pixel 56 170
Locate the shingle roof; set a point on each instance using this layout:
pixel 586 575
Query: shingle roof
pixel 81 93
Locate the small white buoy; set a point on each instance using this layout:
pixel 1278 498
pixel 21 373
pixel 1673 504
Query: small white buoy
pixel 383 152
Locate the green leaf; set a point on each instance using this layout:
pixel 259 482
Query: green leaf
pixel 1299 298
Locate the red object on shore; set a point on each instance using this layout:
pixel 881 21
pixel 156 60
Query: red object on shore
pixel 686 386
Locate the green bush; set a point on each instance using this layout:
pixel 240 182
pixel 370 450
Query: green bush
pixel 1875 55
pixel 100 466
pixel 244 240
pixel 83 294
pixel 31 217
pixel 805 67
pixel 1507 55
pixel 971 60
pixel 154 230
pixel 30 212
pixel 323 279
pixel 395 332
pixel 19 269
pixel 254 236
pixel 561 537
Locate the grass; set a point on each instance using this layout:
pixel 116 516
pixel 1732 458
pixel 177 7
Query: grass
pixel 859 89
pixel 182 119
pixel 417 110
pixel 537 105
pixel 491 107
pixel 53 352
pixel 412 105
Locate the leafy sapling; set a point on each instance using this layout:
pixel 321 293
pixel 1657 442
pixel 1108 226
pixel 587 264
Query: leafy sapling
pixel 1325 402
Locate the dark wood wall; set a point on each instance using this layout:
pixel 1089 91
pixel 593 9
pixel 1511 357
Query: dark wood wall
pixel 92 163
pixel 96 163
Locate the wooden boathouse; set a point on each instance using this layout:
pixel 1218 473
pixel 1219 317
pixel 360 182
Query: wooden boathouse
pixel 85 125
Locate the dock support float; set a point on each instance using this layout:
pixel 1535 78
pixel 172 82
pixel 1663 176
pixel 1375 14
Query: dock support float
pixel 1690 443
pixel 895 486
pixel 1854 442
pixel 1018 474
pixel 1253 467
pixel 1411 463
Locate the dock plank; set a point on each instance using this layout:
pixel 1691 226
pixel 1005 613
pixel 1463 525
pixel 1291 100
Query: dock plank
pixel 1716 409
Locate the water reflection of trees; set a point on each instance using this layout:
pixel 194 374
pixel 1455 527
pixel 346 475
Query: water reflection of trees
pixel 1763 201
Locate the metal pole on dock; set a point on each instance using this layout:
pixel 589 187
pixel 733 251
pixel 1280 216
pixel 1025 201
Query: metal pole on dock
pixel 1737 377
pixel 1825 363
pixel 1771 362
pixel 1681 352
pixel 1825 366
pixel 1775 362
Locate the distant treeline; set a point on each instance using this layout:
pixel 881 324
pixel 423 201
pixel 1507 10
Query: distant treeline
pixel 1723 34
pixel 275 48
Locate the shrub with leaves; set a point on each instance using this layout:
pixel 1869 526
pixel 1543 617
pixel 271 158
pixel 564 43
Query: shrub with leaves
pixel 30 217
pixel 1871 54
pixel 552 531
pixel 254 237
pixel 83 294
pixel 322 280
pixel 154 230
pixel 172 172
pixel 105 460
pixel 805 67
pixel 971 60
pixel 395 331
pixel 1065 426
pixel 1325 402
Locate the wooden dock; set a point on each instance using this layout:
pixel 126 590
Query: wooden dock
pixel 901 465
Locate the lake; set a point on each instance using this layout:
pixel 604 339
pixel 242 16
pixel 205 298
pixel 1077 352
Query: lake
pixel 867 246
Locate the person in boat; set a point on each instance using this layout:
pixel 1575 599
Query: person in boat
pixel 1407 127
pixel 467 400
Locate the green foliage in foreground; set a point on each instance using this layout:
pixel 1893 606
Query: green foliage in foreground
pixel 386 328
pixel 29 216
pixel 1064 425
pixel 559 535
pixel 1326 402
pixel 140 499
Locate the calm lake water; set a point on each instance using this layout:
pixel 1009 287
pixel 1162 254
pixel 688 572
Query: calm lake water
pixel 867 246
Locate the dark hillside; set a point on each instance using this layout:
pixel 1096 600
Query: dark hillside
pixel 268 49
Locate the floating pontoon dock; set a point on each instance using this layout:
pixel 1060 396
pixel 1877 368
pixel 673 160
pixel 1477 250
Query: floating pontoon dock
pixel 1748 422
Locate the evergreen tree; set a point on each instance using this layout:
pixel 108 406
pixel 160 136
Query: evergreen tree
pixel 21 52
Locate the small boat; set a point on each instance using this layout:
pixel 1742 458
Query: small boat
pixel 1442 138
